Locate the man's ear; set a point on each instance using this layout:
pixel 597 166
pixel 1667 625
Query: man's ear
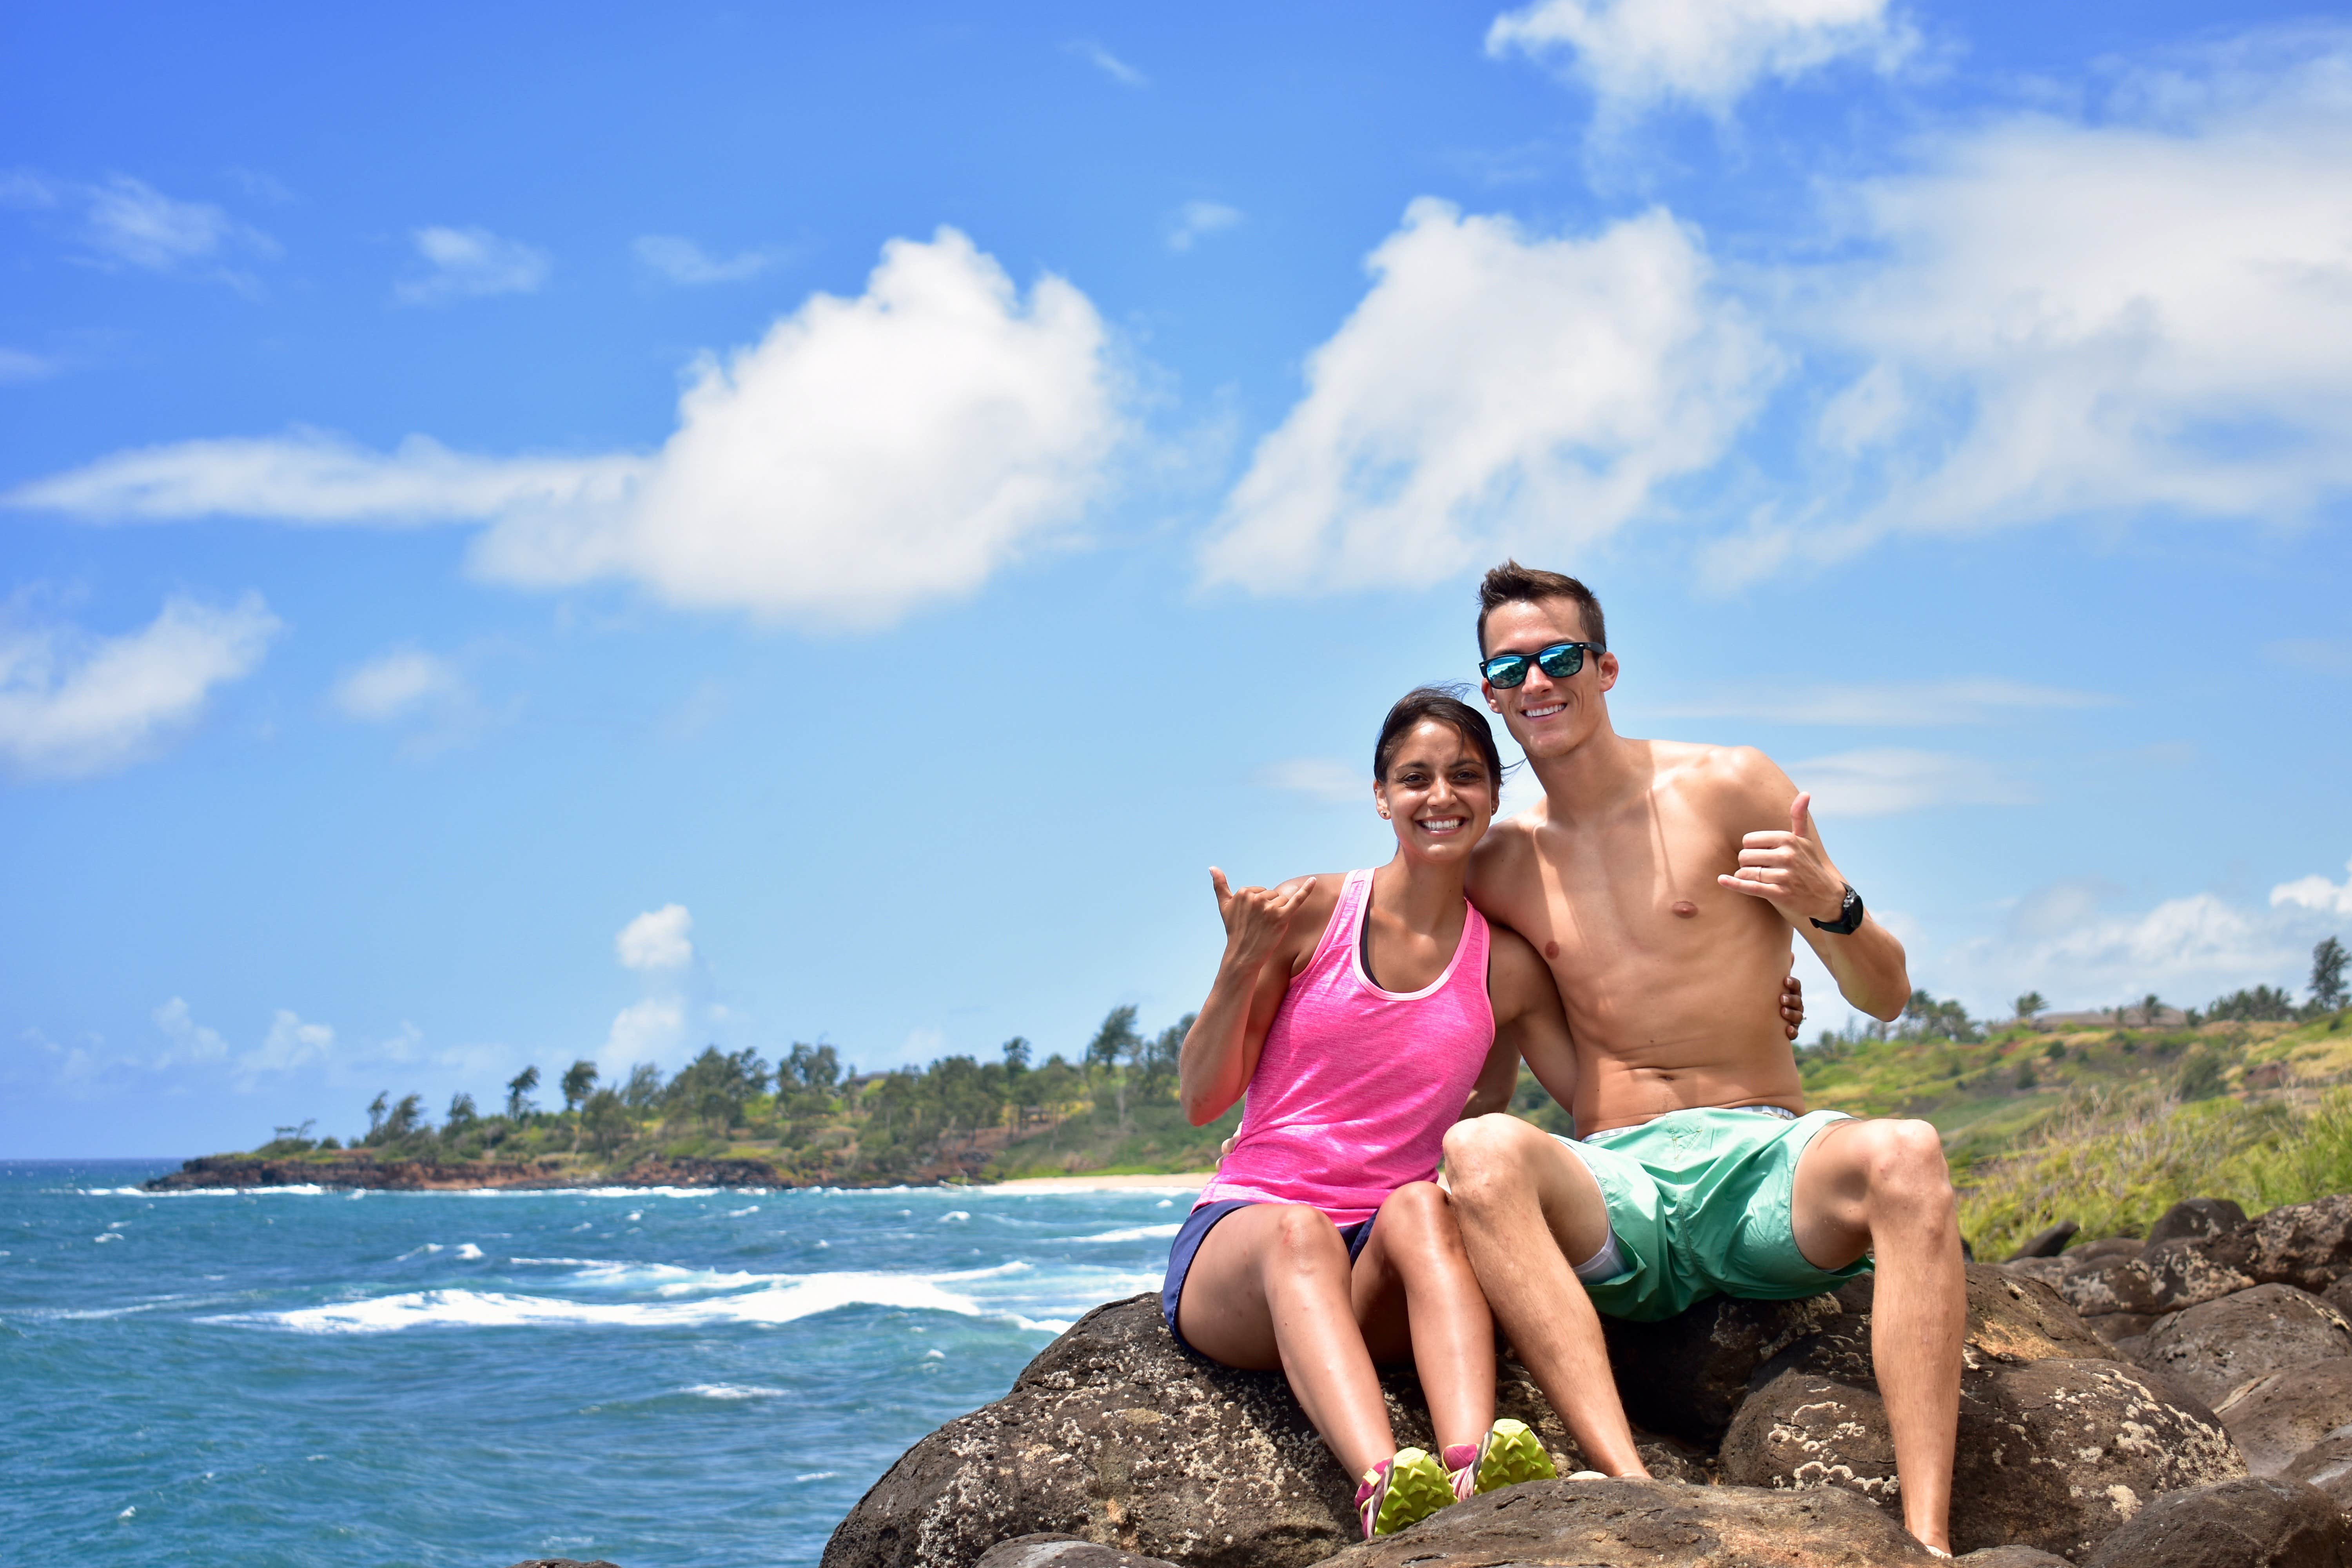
pixel 1488 689
pixel 1606 664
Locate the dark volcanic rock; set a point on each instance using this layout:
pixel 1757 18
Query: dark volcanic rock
pixel 2047 1243
pixel 2308 1246
pixel 2114 1328
pixel 2105 1248
pixel 566 1563
pixel 1685 1376
pixel 2194 1220
pixel 2166 1277
pixel 2276 1418
pixel 2053 1454
pixel 1647 1524
pixel 1049 1550
pixel 2213 1348
pixel 2267 1523
pixel 2010 1321
pixel 1116 1436
pixel 2011 1557
pixel 2328 1465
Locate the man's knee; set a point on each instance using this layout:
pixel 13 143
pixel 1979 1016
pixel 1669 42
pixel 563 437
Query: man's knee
pixel 1486 1158
pixel 1903 1161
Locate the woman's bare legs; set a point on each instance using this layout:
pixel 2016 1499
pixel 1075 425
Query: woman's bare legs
pixel 1415 1295
pixel 1269 1288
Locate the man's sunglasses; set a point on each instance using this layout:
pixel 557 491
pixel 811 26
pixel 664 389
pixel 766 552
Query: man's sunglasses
pixel 1559 662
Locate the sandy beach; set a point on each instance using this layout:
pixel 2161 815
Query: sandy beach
pixel 1189 1182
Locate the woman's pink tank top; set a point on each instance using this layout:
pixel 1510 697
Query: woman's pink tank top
pixel 1356 1086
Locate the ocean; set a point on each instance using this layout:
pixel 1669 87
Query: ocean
pixel 663 1377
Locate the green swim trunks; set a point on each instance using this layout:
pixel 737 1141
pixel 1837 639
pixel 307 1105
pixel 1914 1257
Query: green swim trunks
pixel 1698 1206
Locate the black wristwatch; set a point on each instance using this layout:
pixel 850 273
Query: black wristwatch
pixel 1849 919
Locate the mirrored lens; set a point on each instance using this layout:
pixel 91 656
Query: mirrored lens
pixel 1506 669
pixel 1562 661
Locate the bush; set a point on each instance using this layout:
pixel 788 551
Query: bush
pixel 2201 1076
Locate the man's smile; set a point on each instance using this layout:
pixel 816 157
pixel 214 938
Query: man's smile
pixel 1544 711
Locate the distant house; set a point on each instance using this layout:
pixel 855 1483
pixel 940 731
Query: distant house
pixel 2111 1018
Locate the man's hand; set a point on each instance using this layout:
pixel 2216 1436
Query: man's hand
pixel 1789 870
pixel 1257 919
pixel 1792 1004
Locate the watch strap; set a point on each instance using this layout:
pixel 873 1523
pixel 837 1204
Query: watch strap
pixel 1849 919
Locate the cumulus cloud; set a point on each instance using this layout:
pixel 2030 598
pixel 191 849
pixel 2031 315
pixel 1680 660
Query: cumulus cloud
pixel 651 1030
pixel 15 364
pixel 1886 781
pixel 1636 54
pixel 398 684
pixel 190 1041
pixel 2142 312
pixel 1494 390
pixel 467 263
pixel 865 457
pixel 658 939
pixel 1318 778
pixel 1110 64
pixel 73 705
pixel 290 1044
pixel 1196 220
pixel 121 222
pixel 2065 941
pixel 1888 704
pixel 683 261
pixel 2315 892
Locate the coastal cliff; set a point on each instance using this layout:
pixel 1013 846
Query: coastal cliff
pixel 361 1168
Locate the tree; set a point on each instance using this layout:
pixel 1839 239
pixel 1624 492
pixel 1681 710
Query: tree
pixel 1115 1043
pixel 1016 1055
pixel 2264 1003
pixel 1160 1057
pixel 606 1120
pixel 375 1115
pixel 579 1079
pixel 714 1087
pixel 406 1121
pixel 642 1091
pixel 2030 1004
pixel 2327 977
pixel 518 1089
pixel 2150 1009
pixel 461 1110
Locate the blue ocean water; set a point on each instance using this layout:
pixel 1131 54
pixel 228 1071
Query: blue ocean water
pixel 666 1378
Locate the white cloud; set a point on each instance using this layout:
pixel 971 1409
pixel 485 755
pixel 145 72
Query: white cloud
pixel 2329 656
pixel 683 261
pixel 397 684
pixel 468 263
pixel 2315 892
pixel 190 1041
pixel 73 705
pixel 1915 704
pixel 658 939
pixel 1886 781
pixel 1319 778
pixel 1635 54
pixel 651 1030
pixel 1494 391
pixel 2062 942
pixel 17 365
pixel 2139 311
pixel 1196 220
pixel 126 222
pixel 1110 64
pixel 867 457
pixel 290 1044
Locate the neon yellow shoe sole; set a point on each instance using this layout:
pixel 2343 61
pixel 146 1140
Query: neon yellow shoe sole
pixel 1511 1454
pixel 1417 1487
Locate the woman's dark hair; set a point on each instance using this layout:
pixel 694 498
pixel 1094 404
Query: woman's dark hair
pixel 1444 705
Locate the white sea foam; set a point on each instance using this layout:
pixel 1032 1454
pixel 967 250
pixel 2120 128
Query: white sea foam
pixel 739 1214
pixel 817 1476
pixel 1134 1233
pixel 108 1236
pixel 735 1391
pixel 780 1303
pixel 955 1217
pixel 427 1249
pixel 468 1250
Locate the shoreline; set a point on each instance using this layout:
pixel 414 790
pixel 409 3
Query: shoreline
pixel 249 1172
pixel 1181 1181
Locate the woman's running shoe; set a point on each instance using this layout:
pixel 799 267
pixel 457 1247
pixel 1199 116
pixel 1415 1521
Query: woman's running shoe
pixel 1509 1454
pixel 1400 1492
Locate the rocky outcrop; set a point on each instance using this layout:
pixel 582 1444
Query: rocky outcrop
pixel 2328 1465
pixel 2238 1524
pixel 2052 1453
pixel 361 1168
pixel 2275 1419
pixel 1117 1435
pixel 2194 1220
pixel 2215 1347
pixel 1648 1524
pixel 2308 1246
pixel 1050 1551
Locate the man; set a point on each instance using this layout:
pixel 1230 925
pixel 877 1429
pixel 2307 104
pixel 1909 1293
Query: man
pixel 1661 880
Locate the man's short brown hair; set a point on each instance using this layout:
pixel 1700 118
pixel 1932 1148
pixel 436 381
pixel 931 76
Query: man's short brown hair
pixel 1513 584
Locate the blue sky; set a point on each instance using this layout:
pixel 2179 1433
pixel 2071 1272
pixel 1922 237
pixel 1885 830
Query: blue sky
pixel 538 532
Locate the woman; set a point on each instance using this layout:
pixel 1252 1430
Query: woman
pixel 1365 1013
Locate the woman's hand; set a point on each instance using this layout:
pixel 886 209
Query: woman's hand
pixel 1257 919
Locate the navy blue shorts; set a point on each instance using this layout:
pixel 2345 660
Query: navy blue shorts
pixel 1196 1229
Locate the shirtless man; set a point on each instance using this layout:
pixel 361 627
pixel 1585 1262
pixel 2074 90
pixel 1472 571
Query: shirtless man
pixel 1660 880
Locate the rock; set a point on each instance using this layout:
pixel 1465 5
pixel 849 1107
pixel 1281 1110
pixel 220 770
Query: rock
pixel 2052 1454
pixel 2308 1246
pixel 2194 1220
pixel 2010 1321
pixel 2011 1557
pixel 2216 1346
pixel 1115 1435
pixel 1050 1551
pixel 2117 1327
pixel 2328 1465
pixel 1648 1524
pixel 566 1563
pixel 2275 1419
pixel 2269 1523
pixel 2339 1295
pixel 2047 1243
pixel 2049 1270
pixel 2166 1278
pixel 2104 1249
pixel 1685 1376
